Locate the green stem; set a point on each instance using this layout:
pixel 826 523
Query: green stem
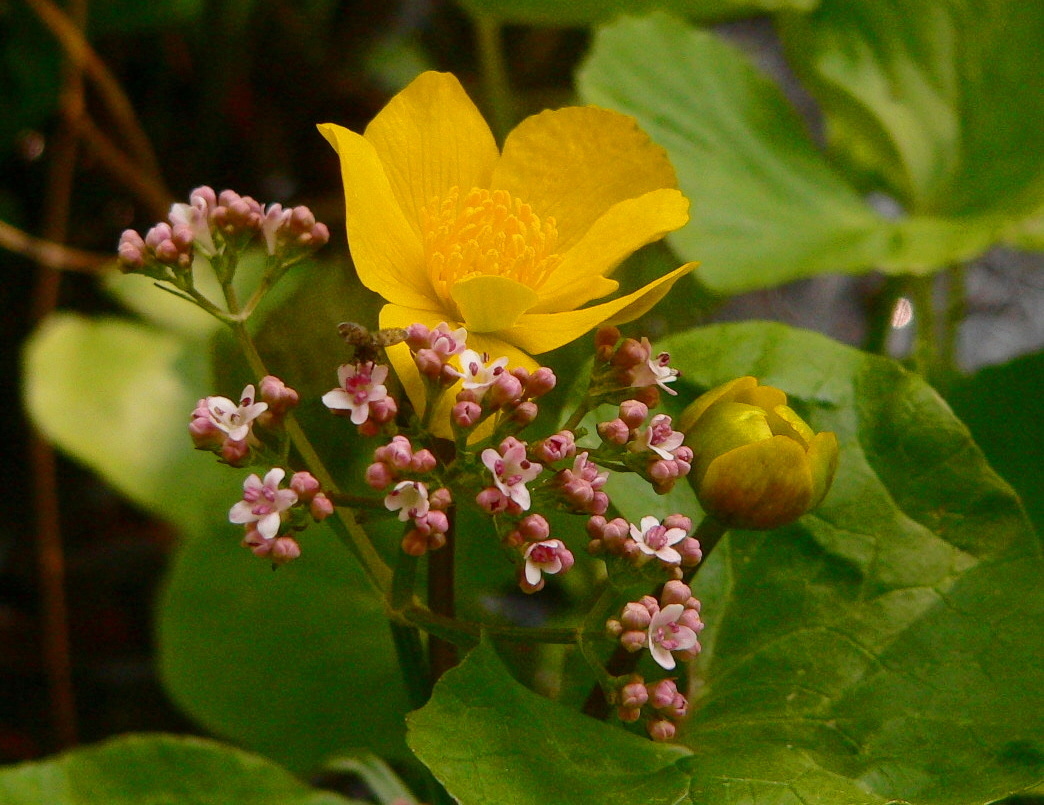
pixel 880 315
pixel 467 633
pixel 925 353
pixel 410 652
pixel 956 310
pixel 495 76
pixel 578 415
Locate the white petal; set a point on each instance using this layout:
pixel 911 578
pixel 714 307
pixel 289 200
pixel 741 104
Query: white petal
pixel 338 400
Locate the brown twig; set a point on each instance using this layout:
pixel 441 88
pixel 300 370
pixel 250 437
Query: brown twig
pixel 80 54
pixel 49 254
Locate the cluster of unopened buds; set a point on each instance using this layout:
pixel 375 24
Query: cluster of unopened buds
pixel 211 223
pixel 226 428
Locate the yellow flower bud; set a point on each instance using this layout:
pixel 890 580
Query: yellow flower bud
pixel 757 465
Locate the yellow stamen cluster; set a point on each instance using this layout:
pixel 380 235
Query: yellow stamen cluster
pixel 487 232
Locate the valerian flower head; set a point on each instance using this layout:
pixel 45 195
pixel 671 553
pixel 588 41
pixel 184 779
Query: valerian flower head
pixel 668 634
pixel 757 464
pixel 655 539
pixel 409 499
pixel 263 503
pixel 235 420
pixel 479 372
pixel 545 557
pixel 511 470
pixel 196 216
pixel 509 245
pixel 655 370
pixel 361 390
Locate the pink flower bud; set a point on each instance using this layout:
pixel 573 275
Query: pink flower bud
pixel 321 507
pixel 615 431
pixel 378 476
pixel 440 499
pixel 284 549
pixel 429 363
pixel 305 485
pixel 633 641
pixel 423 461
pixel 235 453
pixel 628 715
pixel 678 521
pixel 466 414
pixel 524 413
pixel 534 528
pixel 691 554
pixel 633 413
pixel 675 592
pixel 661 694
pixel 280 397
pixel 540 382
pixel 558 447
pixel 629 354
pixel 505 389
pixel 635 616
pixel 607 336
pixel 660 729
pixel 634 693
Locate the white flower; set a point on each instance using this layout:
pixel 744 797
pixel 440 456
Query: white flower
pixel 235 420
pixel 656 371
pixel 409 499
pixel 512 470
pixel 654 539
pixel 550 556
pixel 667 635
pixel 659 437
pixel 360 384
pixel 478 374
pixel 263 503
pixel 275 218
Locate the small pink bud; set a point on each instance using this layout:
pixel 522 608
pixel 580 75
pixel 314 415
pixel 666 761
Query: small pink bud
pixel 466 414
pixel 633 641
pixel 492 500
pixel 675 592
pixel 305 485
pixel 423 461
pixel 378 476
pixel 235 453
pixel 540 382
pixel 634 693
pixel 628 715
pixel 615 431
pixel 691 553
pixel 440 499
pixel 660 729
pixel 321 507
pixel 633 413
pixel 661 694
pixel 607 336
pixel 534 528
pixel 525 412
pixel 506 388
pixel 284 549
pixel 635 616
pixel 630 353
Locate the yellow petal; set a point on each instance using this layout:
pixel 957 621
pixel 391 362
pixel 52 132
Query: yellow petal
pixel 576 163
pixel 430 138
pixel 726 391
pixel 489 303
pixel 625 228
pixel 541 332
pixel 388 254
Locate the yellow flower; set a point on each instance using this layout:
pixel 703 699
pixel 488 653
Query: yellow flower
pixel 508 245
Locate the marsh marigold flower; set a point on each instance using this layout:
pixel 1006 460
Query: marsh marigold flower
pixel 510 245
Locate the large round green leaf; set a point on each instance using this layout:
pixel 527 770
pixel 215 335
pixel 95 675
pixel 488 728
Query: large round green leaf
pixel 297 663
pixel 118 395
pixel 941 100
pixel 766 206
pixel 137 769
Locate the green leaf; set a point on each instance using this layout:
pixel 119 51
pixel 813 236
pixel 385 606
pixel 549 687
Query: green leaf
pixel 490 740
pixel 941 100
pixel 586 12
pixel 136 769
pixel 295 663
pixel 117 395
pixel 766 206
pixel 1004 407
pixel 891 644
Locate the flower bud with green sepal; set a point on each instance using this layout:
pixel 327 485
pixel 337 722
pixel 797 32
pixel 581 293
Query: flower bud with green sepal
pixel 757 465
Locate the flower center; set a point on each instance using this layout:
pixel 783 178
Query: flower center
pixel 486 233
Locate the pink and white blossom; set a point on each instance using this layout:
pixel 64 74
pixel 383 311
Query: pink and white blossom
pixel 655 370
pixel 263 503
pixel 667 635
pixel 512 470
pixel 409 499
pixel 547 557
pixel 654 539
pixel 359 385
pixel 235 420
pixel 660 437
pixel 479 372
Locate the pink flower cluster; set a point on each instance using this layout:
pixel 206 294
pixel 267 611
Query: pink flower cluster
pixel 669 628
pixel 670 459
pixel 489 387
pixel 511 469
pixel 432 349
pixel 225 427
pixel 668 542
pixel 267 512
pixel 668 704
pixel 210 221
pixel 634 371
pixel 580 486
pixel 397 465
